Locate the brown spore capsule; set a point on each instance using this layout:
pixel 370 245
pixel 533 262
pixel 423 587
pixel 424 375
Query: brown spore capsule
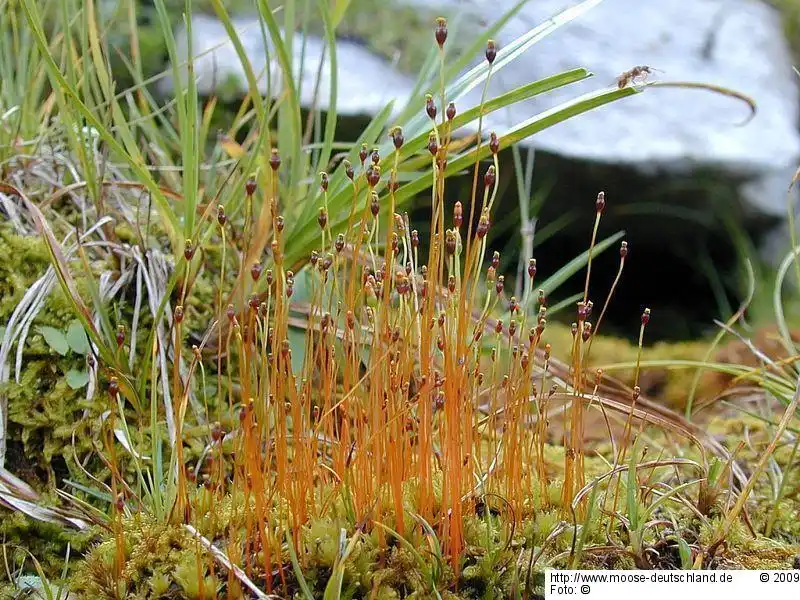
pixel 274 159
pixel 255 270
pixel 494 143
pixel 373 175
pixel 450 112
pixel 490 177
pixel 430 106
pixel 433 145
pixel 440 32
pixel 250 186
pixel 491 275
pixel 323 181
pixel 483 226
pixel 581 311
pixel 362 154
pixel 491 51
pixel 600 203
pixel 397 137
pixel 450 242
pixel 188 250
pixel 322 218
pixel 374 205
pixel 540 326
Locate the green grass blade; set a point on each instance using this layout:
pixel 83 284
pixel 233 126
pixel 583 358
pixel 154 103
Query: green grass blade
pixel 69 97
pixel 289 119
pixel 298 571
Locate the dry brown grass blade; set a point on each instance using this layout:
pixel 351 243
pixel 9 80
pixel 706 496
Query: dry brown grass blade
pixel 223 560
pixel 18 496
pixel 711 88
pixel 653 414
pixel 74 187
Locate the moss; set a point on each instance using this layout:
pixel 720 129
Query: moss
pixel 47 542
pixel 744 551
pixel 44 412
pixel 154 555
pixel 761 508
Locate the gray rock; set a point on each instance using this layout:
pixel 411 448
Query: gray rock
pixel 731 43
pixel 738 44
pixel 218 66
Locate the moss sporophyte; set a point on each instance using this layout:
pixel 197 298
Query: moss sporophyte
pixel 293 389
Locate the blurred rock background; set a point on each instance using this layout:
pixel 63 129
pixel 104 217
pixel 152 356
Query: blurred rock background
pixel 695 189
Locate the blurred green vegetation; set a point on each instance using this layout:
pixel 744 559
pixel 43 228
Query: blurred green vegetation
pixel 790 13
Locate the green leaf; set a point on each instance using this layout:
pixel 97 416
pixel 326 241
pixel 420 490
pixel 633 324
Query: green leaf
pixel 77 379
pixel 340 8
pixel 77 339
pixel 55 339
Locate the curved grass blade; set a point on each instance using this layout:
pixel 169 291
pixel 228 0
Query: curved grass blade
pixel 308 234
pixel 506 55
